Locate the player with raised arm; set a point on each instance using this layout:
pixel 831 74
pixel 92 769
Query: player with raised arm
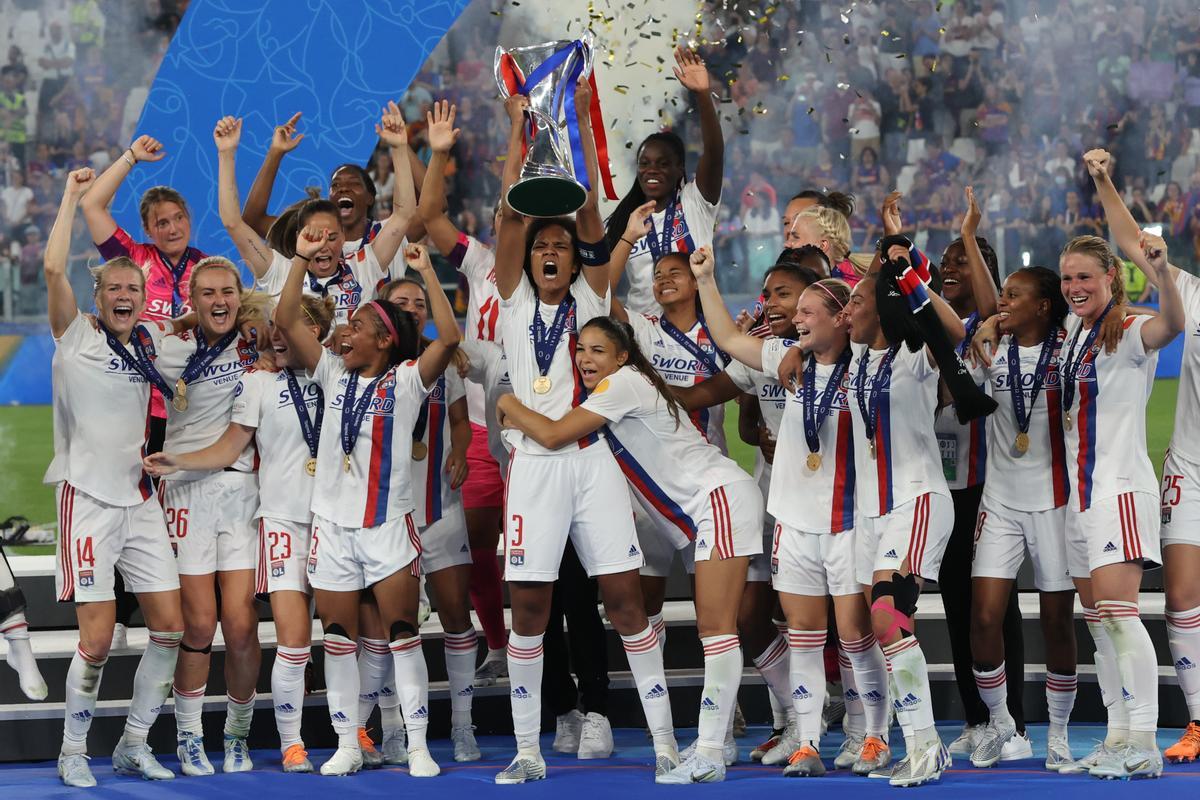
pixel 107 515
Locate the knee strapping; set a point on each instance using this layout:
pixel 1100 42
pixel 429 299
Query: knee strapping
pixel 401 628
pixel 187 648
pixel 904 592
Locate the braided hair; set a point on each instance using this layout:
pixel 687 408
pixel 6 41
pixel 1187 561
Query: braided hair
pixel 1049 288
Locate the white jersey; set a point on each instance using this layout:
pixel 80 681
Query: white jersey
pixel 378 487
pixel 101 414
pixel 1036 480
pixel 209 398
pixel 477 263
pixel 772 399
pixel 671 467
pixel 694 221
pixel 963 447
pixel 355 282
pixel 1106 440
pixel 350 248
pixel 432 495
pixel 264 402
pixel 907 462
pixel 679 367
pixel 820 500
pixel 1187 406
pixel 566 388
pixel 489 371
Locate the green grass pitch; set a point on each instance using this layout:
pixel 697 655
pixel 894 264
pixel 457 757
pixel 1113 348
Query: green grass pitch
pixel 25 450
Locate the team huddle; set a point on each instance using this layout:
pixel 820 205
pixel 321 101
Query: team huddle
pixel 303 440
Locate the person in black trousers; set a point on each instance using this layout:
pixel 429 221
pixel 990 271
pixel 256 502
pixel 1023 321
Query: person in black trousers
pixel 581 712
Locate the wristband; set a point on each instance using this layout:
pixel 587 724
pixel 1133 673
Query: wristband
pixel 626 241
pixel 594 255
pixel 303 258
pixel 128 158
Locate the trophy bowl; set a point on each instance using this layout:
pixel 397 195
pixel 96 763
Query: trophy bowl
pixel 547 186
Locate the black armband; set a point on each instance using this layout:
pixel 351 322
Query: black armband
pixel 594 255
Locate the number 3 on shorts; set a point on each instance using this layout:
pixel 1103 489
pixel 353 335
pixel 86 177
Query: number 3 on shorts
pixel 518 530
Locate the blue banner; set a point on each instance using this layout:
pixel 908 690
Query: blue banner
pixel 337 61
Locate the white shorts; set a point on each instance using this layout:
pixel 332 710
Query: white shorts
pixel 659 543
pixel 351 559
pixel 1180 511
pixel 732 522
pixel 95 538
pixel 581 494
pixel 813 564
pixel 210 522
pixel 444 543
pixel 283 546
pixel 1002 534
pixel 759 570
pixel 1114 530
pixel 916 532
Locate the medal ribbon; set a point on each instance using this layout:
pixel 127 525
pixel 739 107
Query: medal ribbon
pixel 423 414
pixel 868 403
pixel 659 247
pixel 972 325
pixel 322 289
pixel 354 412
pixel 176 271
pixel 1074 364
pixel 545 343
pixel 706 359
pixel 816 411
pixel 1039 377
pixel 204 355
pixel 310 429
pixel 141 361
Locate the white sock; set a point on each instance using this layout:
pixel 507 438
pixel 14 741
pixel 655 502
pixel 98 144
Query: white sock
pixel 525 678
pixel 15 630
pixel 646 664
pixel 993 691
pixel 287 692
pixel 1108 677
pixel 868 670
pixel 806 670
pixel 660 628
pixel 238 715
pixel 152 683
pixel 1060 699
pixel 460 649
pixel 722 676
pixel 1183 634
pixel 374 672
pixel 189 706
pixel 781 707
pixel 772 664
pixel 83 684
pixel 1135 660
pixel 341 688
pixel 412 685
pixel 906 661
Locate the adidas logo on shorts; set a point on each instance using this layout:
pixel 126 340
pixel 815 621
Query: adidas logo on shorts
pixel 520 693
pixel 702 544
pixel 708 705
pixel 633 551
pixel 655 692
pixel 1125 695
pixel 1185 663
pixel 420 713
pixel 909 700
pixel 464 549
pixel 890 554
pixel 873 696
pixel 801 693
pixel 1110 548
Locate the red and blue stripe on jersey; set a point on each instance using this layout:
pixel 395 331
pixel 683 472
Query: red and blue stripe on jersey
pixel 1089 394
pixel 648 488
pixel 437 428
pixel 379 471
pixel 1059 474
pixel 883 452
pixel 842 514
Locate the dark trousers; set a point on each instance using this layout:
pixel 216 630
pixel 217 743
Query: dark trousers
pixel 127 601
pixel 583 648
pixel 954 582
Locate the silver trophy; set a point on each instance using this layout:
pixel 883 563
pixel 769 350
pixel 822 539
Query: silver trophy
pixel 547 186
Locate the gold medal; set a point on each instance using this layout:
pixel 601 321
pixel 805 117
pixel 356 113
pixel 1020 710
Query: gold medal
pixel 1068 421
pixel 419 451
pixel 1022 443
pixel 179 403
pixel 346 462
pixel 180 388
pixel 310 466
pixel 814 461
pixel 541 384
